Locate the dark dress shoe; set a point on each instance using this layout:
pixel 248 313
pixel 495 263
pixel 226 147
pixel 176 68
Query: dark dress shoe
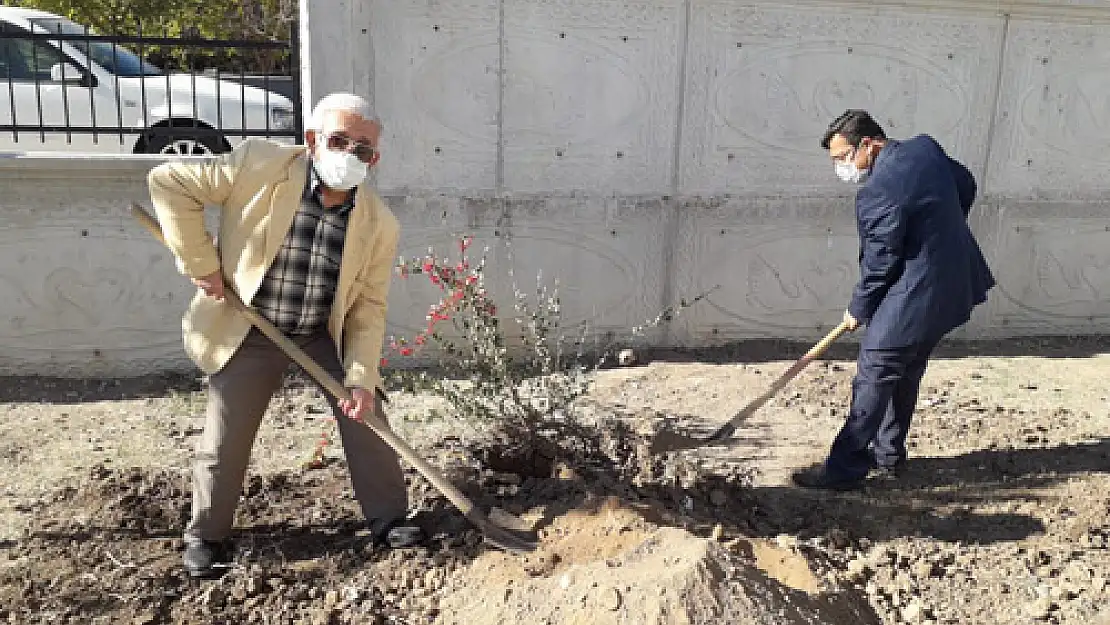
pixel 889 473
pixel 398 534
pixel 205 558
pixel 818 477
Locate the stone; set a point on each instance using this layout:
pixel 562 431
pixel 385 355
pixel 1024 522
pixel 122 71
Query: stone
pixel 238 594
pixel 323 616
pixel 611 599
pixel 1041 608
pixel 786 541
pixel 626 357
pixel 923 569
pixel 1098 583
pixel 566 473
pixel 213 597
pixel 858 568
pixel 1078 572
pixel 717 533
pixel 914 612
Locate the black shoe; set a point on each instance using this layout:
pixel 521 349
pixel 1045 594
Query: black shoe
pixel 398 534
pixel 205 558
pixel 889 473
pixel 818 477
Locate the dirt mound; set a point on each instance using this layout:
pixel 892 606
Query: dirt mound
pixel 609 565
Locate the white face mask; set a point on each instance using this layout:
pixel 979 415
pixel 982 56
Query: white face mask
pixel 848 172
pixel 341 171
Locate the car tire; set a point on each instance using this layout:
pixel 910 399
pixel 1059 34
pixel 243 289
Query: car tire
pixel 184 145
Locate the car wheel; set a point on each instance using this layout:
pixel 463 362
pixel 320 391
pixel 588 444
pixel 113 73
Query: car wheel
pixel 184 145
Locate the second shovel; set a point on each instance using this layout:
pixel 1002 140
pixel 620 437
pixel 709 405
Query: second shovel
pixel 673 442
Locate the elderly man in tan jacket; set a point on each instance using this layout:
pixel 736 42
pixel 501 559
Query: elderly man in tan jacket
pixel 310 246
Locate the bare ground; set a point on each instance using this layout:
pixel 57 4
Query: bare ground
pixel 1004 516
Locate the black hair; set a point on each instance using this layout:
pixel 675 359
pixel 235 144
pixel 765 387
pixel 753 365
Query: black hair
pixel 854 125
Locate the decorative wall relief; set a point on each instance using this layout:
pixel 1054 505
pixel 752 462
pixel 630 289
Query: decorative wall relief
pixel 1056 274
pixel 778 98
pixel 591 95
pixel 1053 128
pixel 83 296
pixel 436 86
pixel 763 83
pixel 784 268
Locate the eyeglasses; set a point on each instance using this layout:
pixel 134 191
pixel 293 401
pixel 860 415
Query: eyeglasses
pixel 342 143
pixel 845 156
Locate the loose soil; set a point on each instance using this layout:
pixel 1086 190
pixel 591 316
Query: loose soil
pixel 1003 517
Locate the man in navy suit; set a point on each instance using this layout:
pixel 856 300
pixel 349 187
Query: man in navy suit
pixel 921 274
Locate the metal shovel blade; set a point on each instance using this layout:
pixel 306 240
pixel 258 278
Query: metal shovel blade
pixel 675 442
pixel 511 540
pixel 508 521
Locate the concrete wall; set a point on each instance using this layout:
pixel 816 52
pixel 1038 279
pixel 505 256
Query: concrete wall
pixel 638 151
pixel 645 150
pixel 83 289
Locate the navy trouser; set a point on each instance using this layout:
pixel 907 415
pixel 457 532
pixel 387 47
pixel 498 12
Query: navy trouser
pixel 884 394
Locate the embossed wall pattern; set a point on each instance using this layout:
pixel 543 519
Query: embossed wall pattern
pixel 589 95
pixel 764 81
pixel 637 151
pixel 435 74
pixel 85 291
pixel 1054 111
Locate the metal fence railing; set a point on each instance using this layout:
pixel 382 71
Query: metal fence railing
pixel 65 88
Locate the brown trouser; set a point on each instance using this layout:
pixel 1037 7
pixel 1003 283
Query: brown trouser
pixel 237 398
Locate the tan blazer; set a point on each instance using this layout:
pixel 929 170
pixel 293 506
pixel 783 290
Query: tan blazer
pixel 258 187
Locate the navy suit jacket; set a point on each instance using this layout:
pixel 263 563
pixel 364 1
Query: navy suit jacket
pixel 921 270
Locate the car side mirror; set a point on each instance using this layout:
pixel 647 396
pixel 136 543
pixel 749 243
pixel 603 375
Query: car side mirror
pixel 69 74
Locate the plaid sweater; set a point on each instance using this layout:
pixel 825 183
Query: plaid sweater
pixel 299 287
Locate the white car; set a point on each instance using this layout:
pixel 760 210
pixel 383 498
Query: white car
pixel 97 96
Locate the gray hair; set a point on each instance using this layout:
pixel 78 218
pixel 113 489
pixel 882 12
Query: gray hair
pixel 341 102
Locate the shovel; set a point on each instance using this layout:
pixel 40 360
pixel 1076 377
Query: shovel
pixel 500 528
pixel 675 442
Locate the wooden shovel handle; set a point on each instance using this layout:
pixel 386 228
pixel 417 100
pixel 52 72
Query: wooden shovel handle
pixel 726 430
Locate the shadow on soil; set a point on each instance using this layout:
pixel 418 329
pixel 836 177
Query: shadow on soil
pixel 765 350
pixel 72 390
pixel 934 499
